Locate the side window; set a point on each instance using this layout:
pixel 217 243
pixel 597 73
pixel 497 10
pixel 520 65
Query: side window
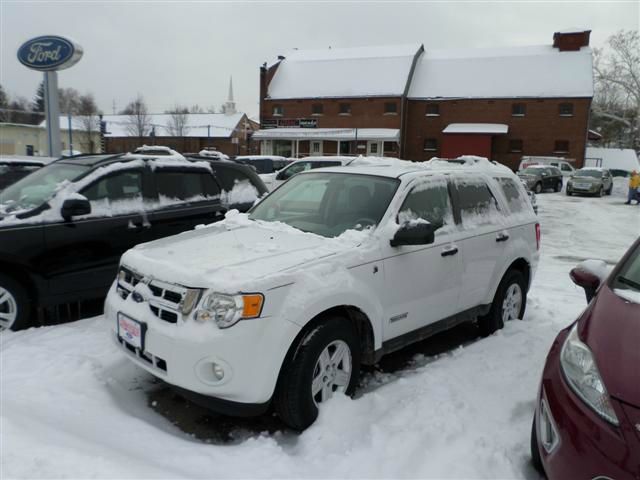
pixel 237 187
pixel 428 201
pixel 228 177
pixel 478 206
pixel 118 187
pixel 295 168
pixel 516 198
pixel 324 164
pixel 181 185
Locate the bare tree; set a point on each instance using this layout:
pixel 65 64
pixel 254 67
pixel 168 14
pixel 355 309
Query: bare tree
pixel 616 105
pixel 177 125
pixel 88 112
pixel 69 99
pixel 139 121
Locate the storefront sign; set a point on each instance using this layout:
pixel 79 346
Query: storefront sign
pixel 272 123
pixel 308 123
pixel 49 52
pixel 289 123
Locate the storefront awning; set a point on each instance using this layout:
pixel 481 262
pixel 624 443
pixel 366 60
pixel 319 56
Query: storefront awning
pixel 384 134
pixel 483 128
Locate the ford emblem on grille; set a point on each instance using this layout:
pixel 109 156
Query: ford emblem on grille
pixel 137 297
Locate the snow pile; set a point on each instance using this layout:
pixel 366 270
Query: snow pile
pixel 155 151
pixel 213 154
pixel 242 192
pixel 628 295
pixel 599 268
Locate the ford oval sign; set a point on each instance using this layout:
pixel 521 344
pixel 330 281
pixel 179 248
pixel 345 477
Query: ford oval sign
pixel 49 52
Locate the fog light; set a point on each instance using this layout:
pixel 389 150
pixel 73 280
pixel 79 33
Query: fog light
pixel 203 316
pixel 218 371
pixel 549 437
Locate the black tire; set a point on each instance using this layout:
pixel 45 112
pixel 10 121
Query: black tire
pixel 610 191
pixel 492 321
pixel 569 193
pixel 601 192
pixel 558 187
pixel 536 461
pixel 16 301
pixel 537 188
pixel 293 400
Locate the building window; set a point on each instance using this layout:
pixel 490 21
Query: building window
pixel 565 109
pixel 315 147
pixel 561 146
pixel 345 109
pixel 515 146
pixel 430 145
pixel 518 110
pixel 30 150
pixel 373 148
pixel 390 108
pixel 317 109
pixel 433 110
pixel 278 110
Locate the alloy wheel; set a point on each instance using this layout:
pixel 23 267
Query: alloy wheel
pixel 332 372
pixel 512 303
pixel 8 309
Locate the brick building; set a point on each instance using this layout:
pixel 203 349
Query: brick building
pixel 405 101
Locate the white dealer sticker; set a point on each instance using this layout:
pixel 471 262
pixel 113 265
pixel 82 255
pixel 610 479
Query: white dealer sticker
pixel 130 330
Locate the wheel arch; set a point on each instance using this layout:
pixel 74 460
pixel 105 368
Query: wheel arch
pixel 22 276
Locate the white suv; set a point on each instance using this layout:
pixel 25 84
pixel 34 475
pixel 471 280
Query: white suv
pixel 336 268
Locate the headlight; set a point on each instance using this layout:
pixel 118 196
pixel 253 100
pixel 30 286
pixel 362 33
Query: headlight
pixel 582 374
pixel 227 310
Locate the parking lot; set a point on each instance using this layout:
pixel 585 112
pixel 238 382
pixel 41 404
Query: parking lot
pixel 453 406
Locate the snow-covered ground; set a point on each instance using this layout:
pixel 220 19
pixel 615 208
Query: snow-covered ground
pixel 451 407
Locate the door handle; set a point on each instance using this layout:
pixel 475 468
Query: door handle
pixel 448 251
pixel 502 237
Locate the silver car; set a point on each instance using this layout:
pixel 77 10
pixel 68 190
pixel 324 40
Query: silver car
pixel 590 181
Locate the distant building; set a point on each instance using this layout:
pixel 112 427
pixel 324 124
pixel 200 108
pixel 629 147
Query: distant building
pixel 619 160
pixel 22 139
pixel 228 133
pixel 413 103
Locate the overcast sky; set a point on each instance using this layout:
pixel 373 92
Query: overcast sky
pixel 181 52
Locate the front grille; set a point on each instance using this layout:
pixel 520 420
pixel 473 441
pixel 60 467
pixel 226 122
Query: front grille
pixel 167 298
pixel 145 356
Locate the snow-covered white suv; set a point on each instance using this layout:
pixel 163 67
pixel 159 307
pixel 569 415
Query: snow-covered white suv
pixel 334 269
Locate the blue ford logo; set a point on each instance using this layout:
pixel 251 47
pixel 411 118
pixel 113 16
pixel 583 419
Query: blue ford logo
pixel 49 52
pixel 137 297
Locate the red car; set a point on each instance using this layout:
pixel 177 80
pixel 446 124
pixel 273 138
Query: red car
pixel 587 418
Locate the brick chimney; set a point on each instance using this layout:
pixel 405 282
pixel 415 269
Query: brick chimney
pixel 571 40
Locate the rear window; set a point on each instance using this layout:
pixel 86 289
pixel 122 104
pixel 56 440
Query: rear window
pixel 516 197
pixel 181 185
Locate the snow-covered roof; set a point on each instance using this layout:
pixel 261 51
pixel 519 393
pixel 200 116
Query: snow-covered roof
pixel 26 159
pixel 344 72
pixel 612 158
pixel 492 128
pixel 388 134
pixel 508 72
pixel 220 124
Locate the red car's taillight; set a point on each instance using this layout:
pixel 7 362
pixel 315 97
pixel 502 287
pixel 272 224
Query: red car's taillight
pixel 537 236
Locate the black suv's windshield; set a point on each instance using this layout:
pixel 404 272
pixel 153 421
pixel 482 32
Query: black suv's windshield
pixel 588 173
pixel 38 187
pixel 328 204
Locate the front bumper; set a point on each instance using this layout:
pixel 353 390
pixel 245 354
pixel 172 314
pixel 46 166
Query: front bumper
pixel 185 353
pixel 587 189
pixel 586 445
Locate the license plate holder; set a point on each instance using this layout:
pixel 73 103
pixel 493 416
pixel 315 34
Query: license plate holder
pixel 131 331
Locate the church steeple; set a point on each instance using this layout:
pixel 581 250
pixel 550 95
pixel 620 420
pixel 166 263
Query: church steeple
pixel 229 107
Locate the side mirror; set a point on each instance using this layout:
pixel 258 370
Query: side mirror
pixel 544 174
pixel 282 175
pixel 413 234
pixel 73 207
pixel 589 275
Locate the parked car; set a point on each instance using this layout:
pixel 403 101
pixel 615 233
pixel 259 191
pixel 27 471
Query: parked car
pixel 264 164
pixel 590 181
pixel 335 268
pixel 15 167
pixel 532 196
pixel 563 165
pixel 541 177
pixel 274 180
pixel 587 418
pixel 64 227
pixel 241 185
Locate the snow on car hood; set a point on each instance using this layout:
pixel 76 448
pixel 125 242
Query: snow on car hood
pixel 233 254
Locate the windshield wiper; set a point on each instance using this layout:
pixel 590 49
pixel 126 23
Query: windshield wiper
pixel 629 282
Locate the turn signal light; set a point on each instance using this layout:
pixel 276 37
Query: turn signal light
pixel 252 305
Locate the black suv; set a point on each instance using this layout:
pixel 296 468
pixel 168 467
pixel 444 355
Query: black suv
pixel 64 227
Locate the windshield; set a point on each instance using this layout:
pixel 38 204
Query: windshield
pixel 328 204
pixel 628 277
pixel 588 173
pixel 532 171
pixel 38 187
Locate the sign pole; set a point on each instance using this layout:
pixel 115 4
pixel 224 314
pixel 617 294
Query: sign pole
pixel 70 136
pixel 52 112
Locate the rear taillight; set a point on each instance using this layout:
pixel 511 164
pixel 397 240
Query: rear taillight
pixel 537 236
